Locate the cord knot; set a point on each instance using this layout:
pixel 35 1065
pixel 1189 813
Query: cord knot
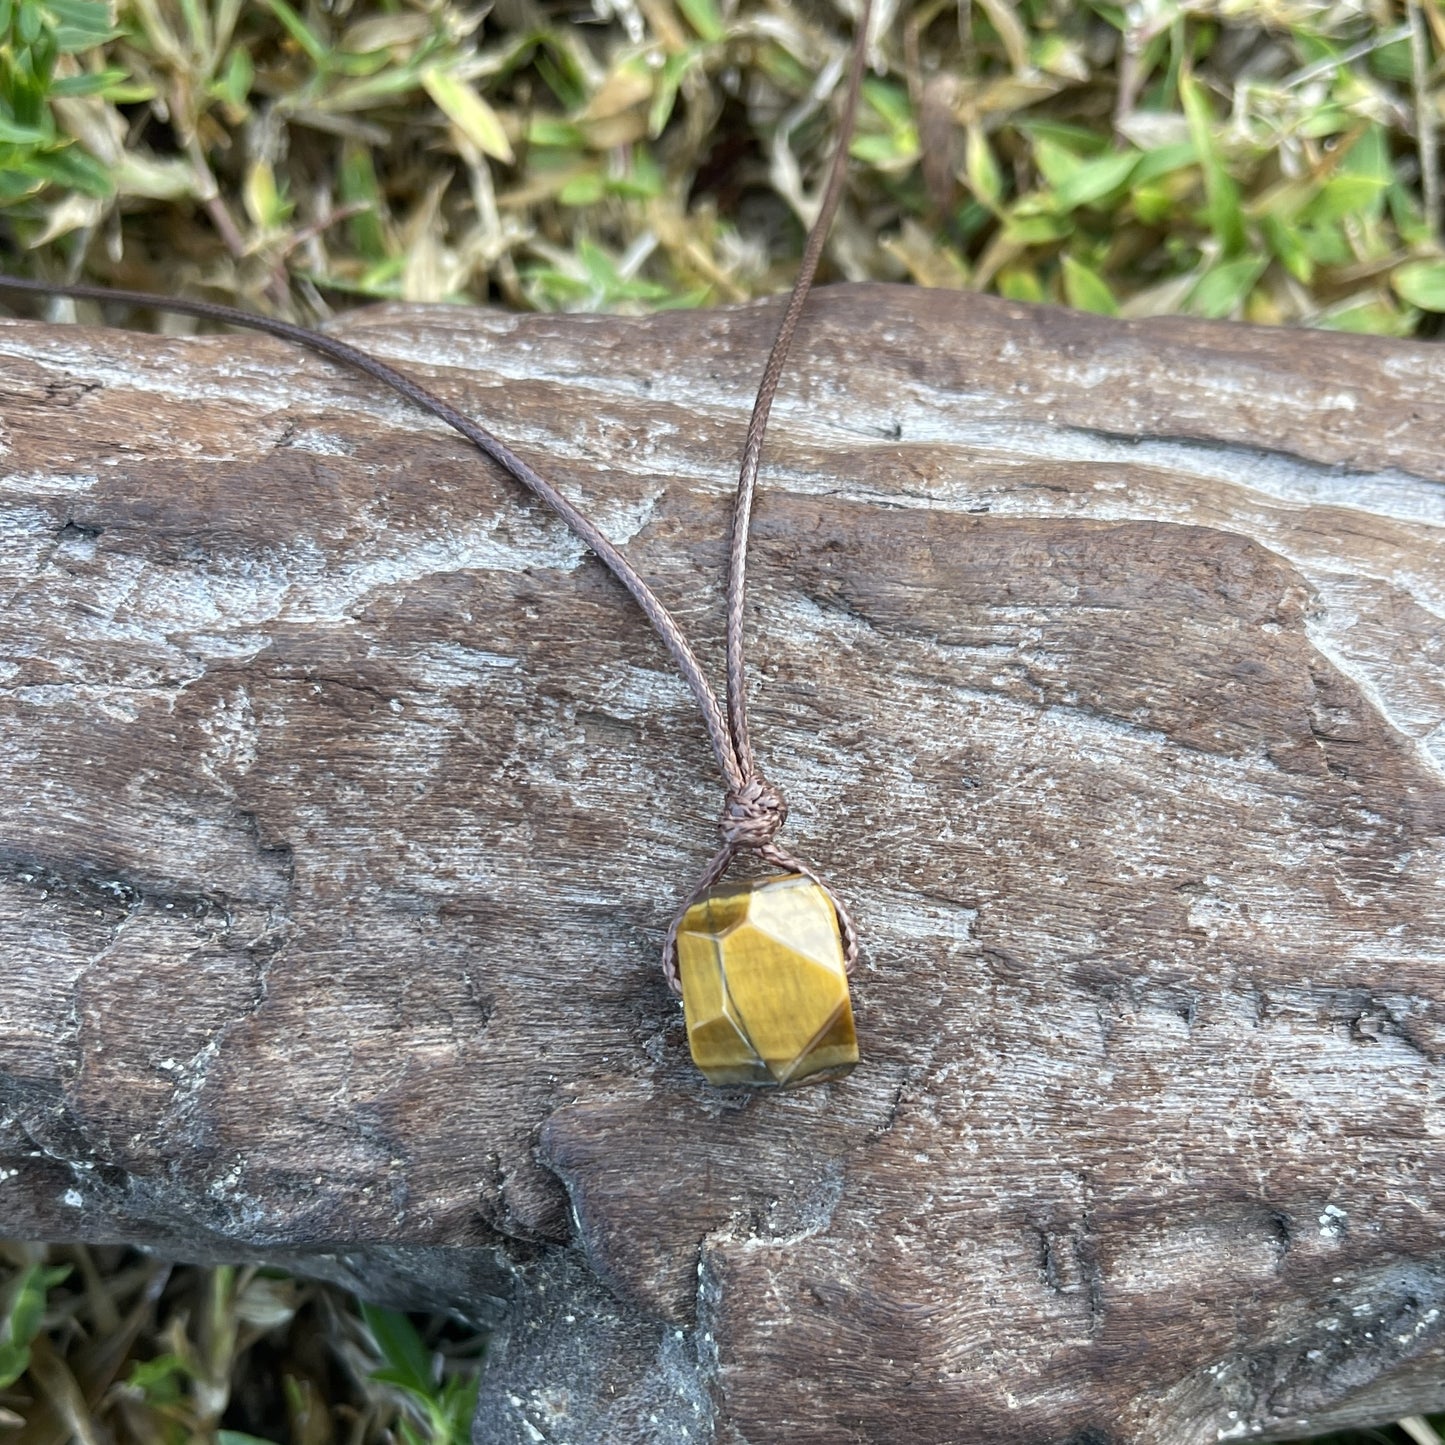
pixel 753 814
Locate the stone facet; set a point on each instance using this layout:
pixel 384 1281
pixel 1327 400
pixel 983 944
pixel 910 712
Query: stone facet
pixel 764 988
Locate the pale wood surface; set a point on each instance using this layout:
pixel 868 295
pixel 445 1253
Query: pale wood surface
pixel 343 802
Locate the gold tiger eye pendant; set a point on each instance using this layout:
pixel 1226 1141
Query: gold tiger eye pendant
pixel 764 987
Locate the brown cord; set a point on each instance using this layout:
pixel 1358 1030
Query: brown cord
pixel 399 381
pixel 753 814
pixel 737 686
pixel 754 809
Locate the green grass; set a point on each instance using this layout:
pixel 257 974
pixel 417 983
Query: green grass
pixel 1268 160
pixel 111 1345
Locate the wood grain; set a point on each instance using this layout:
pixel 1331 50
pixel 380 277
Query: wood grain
pixel 344 802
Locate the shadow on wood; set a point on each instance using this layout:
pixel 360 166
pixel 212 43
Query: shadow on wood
pixel 344 802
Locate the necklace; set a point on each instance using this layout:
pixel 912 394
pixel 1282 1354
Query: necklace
pixel 761 965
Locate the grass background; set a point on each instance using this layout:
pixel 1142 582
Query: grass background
pixel 1269 160
pixel 1275 161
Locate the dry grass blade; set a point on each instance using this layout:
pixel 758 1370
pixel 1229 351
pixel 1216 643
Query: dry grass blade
pixel 65 1413
pixel 1427 129
pixel 1420 1430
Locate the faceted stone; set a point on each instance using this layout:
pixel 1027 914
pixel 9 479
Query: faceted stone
pixel 764 988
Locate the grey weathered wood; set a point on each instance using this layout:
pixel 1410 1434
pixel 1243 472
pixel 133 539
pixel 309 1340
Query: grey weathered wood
pixel 343 802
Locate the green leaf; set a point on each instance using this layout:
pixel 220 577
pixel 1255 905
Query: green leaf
pixel 239 1437
pixel 584 190
pixel 1325 120
pixel 160 1380
pixel 1371 317
pixel 1288 246
pixel 704 17
pixel 1223 288
pixel 458 1406
pixel 1152 204
pixel 1325 244
pixel 301 33
pixel 369 92
pixel 896 143
pixel 359 188
pixel 28 1295
pixel 22 135
pixel 685 300
pixel 233 85
pixel 1079 140
pixel 1421 283
pixel 1315 47
pixel 403 1380
pixel 75 168
pixel 1223 211
pixel 1019 284
pixel 79 24
pixel 560 73
pixel 409 1361
pixel 128 92
pixel 979 165
pixel 89 83
pixel 642 182
pixel 16 185
pixel 1025 229
pixel 1370 156
pixel 1345 195
pixel 669 80
pixel 548 130
pixel 1056 163
pixel 264 198
pixel 1392 61
pixel 1078 182
pixel 1094 180
pixel 1408 215
pixel 1163 161
pixel 83 14
pixel 1086 290
pixel 1055 55
pixel 890 101
pixel 882 148
pixel 381 279
pixel 468 112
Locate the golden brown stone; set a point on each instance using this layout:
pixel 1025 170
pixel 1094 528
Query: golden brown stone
pixel 764 988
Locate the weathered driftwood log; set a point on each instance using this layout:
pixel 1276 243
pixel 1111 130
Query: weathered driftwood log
pixel 344 800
